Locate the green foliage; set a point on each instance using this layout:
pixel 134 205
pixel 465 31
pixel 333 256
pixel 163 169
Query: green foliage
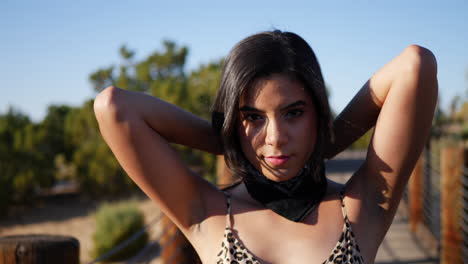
pixel 161 74
pixel 116 223
pixel 50 141
pixel 140 76
pixel 64 170
pixel 102 78
pixel 95 167
pixel 81 125
pixel 67 144
pixel 27 153
pixel 464 131
pixel 363 142
pixel 18 174
pixel 125 53
pixel 202 86
pixel 453 126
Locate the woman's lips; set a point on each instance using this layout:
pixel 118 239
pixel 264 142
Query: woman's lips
pixel 277 160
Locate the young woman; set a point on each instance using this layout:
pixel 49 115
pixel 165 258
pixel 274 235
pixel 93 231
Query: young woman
pixel 271 121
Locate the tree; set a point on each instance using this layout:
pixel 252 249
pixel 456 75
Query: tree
pixel 202 85
pixel 146 75
pixel 67 144
pixel 162 74
pixel 94 166
pixel 16 160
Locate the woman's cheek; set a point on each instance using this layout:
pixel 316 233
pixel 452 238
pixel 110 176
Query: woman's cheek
pixel 250 144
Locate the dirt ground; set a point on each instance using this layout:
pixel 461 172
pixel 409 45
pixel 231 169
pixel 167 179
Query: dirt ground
pixel 66 215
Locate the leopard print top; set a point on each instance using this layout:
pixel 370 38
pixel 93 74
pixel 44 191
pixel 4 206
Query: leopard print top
pixel 233 252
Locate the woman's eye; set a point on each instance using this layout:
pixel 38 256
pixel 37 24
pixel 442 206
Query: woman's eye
pixel 253 117
pixel 294 113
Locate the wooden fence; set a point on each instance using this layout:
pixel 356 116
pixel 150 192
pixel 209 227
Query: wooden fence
pixel 39 249
pixel 438 202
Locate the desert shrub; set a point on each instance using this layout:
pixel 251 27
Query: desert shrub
pixel 114 224
pixel 464 131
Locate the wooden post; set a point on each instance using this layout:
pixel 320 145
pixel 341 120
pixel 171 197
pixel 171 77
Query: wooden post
pixel 464 205
pixel 415 189
pixel 452 160
pixel 175 248
pixel 39 249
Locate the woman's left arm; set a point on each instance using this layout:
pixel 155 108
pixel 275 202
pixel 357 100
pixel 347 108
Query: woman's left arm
pixel 361 114
pixel 402 97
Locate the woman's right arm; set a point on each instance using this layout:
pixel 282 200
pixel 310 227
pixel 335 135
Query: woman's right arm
pixel 171 122
pixel 138 128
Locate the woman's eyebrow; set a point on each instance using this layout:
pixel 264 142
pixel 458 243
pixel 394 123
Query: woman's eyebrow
pixel 247 108
pixel 297 103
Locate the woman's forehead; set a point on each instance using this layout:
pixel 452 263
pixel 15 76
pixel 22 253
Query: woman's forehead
pixel 276 89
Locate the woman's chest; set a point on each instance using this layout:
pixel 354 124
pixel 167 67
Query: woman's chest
pixel 280 250
pixel 262 239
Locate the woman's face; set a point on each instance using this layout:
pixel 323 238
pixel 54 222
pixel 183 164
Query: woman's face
pixel 278 126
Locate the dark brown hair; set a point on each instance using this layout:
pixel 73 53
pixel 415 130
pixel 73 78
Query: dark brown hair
pixel 258 56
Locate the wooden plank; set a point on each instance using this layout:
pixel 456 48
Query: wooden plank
pixel 39 249
pixel 452 161
pixel 415 189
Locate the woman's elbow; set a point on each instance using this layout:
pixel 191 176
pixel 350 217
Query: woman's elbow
pixel 421 70
pixel 421 61
pixel 106 102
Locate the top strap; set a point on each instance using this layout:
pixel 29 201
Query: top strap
pixel 343 208
pixel 228 213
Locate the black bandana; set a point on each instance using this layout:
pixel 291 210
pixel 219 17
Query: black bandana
pixel 293 199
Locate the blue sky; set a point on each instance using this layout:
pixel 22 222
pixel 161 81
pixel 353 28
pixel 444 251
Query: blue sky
pixel 49 48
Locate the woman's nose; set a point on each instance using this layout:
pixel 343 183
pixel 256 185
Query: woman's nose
pixel 276 134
